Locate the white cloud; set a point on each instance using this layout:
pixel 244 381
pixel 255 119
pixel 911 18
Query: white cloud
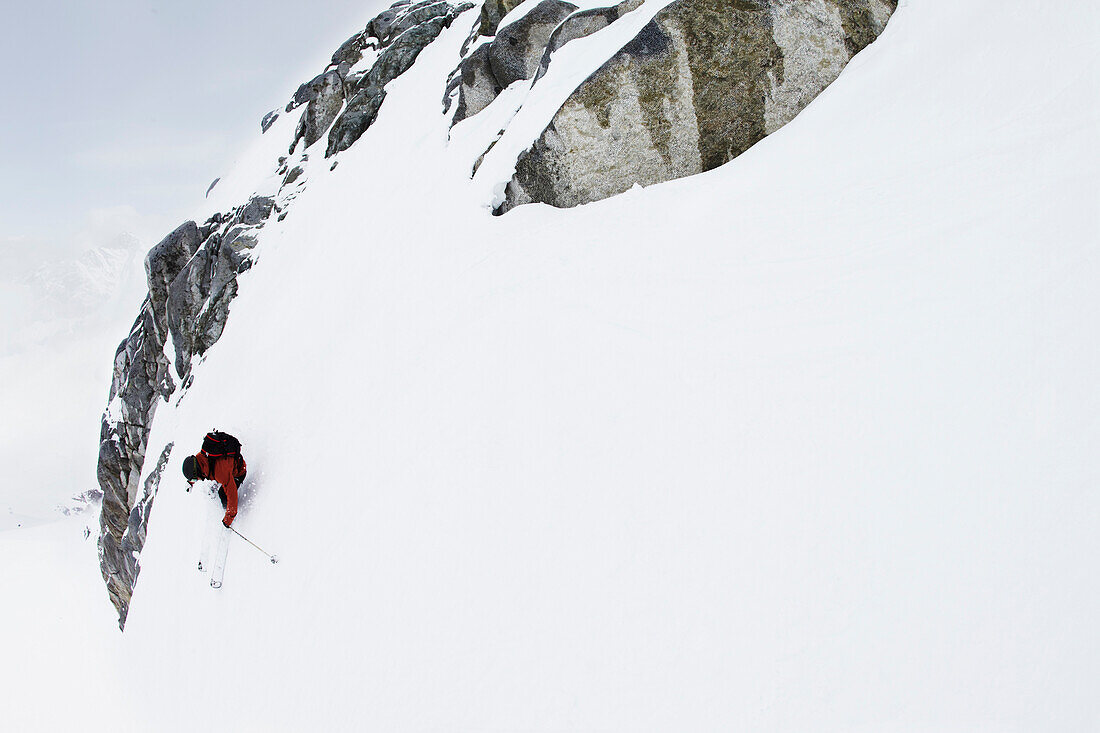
pixel 105 226
pixel 45 285
pixel 159 154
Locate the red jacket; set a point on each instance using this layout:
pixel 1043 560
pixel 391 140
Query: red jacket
pixel 225 470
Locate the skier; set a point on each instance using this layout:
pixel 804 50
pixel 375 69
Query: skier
pixel 219 460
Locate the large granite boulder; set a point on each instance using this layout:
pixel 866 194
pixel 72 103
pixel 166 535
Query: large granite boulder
pixel 321 110
pixel 699 85
pixel 477 86
pixel 163 262
pixel 492 12
pixel 518 47
pixel 516 53
pixel 198 302
pixel 307 92
pixel 362 110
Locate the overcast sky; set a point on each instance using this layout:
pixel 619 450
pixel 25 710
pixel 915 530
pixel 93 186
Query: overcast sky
pixel 117 114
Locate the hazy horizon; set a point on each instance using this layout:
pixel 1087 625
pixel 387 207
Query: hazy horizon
pixel 122 113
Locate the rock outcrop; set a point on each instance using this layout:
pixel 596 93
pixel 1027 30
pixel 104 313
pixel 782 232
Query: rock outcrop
pixel 401 36
pixel 518 47
pixel 699 85
pixel 513 55
pixel 521 50
pixel 140 379
pixel 581 24
pixel 321 110
pixel 351 51
pixel 163 263
pixel 200 294
pixel 477 86
pixel 492 12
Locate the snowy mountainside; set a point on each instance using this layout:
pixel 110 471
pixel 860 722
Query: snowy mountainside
pixel 661 90
pixel 803 442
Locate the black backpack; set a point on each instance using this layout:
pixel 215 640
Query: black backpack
pixel 217 444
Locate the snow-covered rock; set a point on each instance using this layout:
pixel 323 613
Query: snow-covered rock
pixel 321 110
pixel 401 40
pixel 700 84
pixel 515 52
pixel 163 263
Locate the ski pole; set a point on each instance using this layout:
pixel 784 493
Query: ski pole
pixel 272 558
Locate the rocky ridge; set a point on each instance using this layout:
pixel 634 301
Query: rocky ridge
pixel 192 274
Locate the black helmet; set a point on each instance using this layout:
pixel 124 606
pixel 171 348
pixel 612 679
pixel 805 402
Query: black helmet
pixel 191 468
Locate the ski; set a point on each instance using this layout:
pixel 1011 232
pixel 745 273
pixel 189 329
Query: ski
pixel 210 524
pixel 218 571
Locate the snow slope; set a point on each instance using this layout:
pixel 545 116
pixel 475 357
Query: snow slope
pixel 803 443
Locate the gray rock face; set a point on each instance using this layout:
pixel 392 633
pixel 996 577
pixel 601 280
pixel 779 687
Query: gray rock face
pixel 414 15
pixel 477 86
pixel 362 110
pixel 198 301
pixel 255 212
pixel 140 379
pixel 492 12
pixel 199 296
pixel 580 24
pixel 518 47
pixel 699 85
pixel 163 263
pixel 321 110
pixel 351 50
pixel 307 92
pixel 514 54
pixel 381 25
pixel 399 53
pixel 522 50
pixel 268 120
pixel 129 549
